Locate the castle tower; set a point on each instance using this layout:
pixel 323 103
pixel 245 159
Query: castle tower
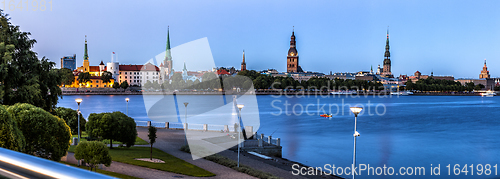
pixel 484 73
pixel 86 66
pixel 243 64
pixel 387 59
pixel 292 60
pixel 101 67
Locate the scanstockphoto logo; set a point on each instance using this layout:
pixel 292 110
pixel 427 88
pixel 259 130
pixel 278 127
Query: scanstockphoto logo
pixel 210 121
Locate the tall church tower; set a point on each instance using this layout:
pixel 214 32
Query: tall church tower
pixel 484 73
pixel 86 66
pixel 292 60
pixel 243 64
pixel 387 59
pixel 168 57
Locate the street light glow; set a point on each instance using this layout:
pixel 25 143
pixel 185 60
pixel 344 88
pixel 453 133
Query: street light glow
pixel 240 106
pixel 78 100
pixel 356 110
pixel 126 99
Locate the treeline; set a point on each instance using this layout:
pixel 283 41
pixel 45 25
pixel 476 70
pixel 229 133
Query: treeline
pixel 431 84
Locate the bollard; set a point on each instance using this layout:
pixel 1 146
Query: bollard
pixel 249 130
pixel 269 138
pixel 205 127
pixel 226 128
pixel 166 125
pixel 255 135
pixel 261 136
pixel 185 126
pixel 75 140
pixel 260 142
pixel 149 123
pixel 278 141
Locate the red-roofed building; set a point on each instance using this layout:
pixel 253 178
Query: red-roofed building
pixel 139 74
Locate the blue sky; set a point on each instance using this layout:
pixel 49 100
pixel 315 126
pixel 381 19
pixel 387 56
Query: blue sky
pixel 447 37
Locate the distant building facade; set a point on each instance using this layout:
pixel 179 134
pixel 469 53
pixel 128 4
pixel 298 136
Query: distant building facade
pixel 69 62
pixel 418 75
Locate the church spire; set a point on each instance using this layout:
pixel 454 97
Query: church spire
pixel 85 53
pixel 168 55
pixel 185 69
pixel 387 53
pixel 243 63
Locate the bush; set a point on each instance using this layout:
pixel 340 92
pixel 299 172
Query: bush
pixel 10 136
pixel 113 126
pixel 46 135
pixel 70 117
pixel 93 153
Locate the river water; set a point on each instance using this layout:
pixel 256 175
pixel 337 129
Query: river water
pixel 405 131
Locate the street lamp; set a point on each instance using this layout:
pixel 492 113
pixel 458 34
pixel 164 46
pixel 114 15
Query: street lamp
pixel 186 119
pixel 240 106
pixel 355 111
pixel 127 99
pixel 78 101
pixel 186 114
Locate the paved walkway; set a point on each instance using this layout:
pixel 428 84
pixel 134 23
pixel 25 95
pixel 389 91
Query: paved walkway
pixel 170 141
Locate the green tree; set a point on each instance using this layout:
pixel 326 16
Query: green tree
pixel 106 77
pixel 469 86
pixel 148 85
pixel 113 126
pixel 10 136
pixel 46 135
pixel 25 78
pixel 116 85
pixel 479 87
pixel 124 85
pixel 152 139
pixel 93 153
pixel 71 118
pixel 84 77
pixel 67 76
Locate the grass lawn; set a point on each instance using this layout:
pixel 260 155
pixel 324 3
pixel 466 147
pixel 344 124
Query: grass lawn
pixel 113 174
pixel 172 164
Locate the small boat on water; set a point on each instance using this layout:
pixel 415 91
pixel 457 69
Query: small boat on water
pixel 489 93
pixel 343 92
pixel 402 93
pixel 325 115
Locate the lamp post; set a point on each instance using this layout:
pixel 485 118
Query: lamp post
pixel 240 106
pixel 185 119
pixel 355 111
pixel 186 114
pixel 127 99
pixel 78 101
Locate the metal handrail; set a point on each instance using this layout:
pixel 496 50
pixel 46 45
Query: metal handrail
pixel 27 166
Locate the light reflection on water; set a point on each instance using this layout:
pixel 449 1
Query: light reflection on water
pixel 415 131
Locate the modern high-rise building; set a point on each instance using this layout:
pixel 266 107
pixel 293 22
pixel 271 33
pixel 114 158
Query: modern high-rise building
pixel 292 60
pixel 386 71
pixel 484 73
pixel 69 62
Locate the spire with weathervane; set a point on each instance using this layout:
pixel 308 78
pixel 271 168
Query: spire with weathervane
pixel 387 58
pixel 168 57
pixel 86 58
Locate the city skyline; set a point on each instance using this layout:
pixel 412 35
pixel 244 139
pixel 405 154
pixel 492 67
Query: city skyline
pixel 448 38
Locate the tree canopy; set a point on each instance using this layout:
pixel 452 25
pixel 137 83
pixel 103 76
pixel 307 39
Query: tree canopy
pixel 113 126
pixel 106 76
pixel 10 136
pixel 83 77
pixel 93 153
pixel 24 77
pixel 71 118
pixel 46 135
